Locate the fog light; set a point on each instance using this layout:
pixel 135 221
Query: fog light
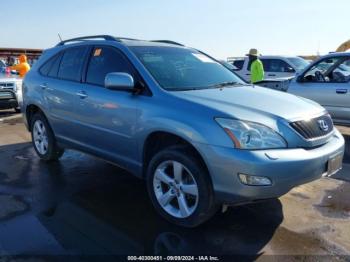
pixel 254 180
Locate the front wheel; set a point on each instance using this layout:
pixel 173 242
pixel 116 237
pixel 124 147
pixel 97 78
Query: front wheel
pixel 43 139
pixel 180 188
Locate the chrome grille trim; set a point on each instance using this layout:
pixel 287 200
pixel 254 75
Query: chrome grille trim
pixel 314 128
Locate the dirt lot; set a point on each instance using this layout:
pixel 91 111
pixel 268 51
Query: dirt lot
pixel 84 206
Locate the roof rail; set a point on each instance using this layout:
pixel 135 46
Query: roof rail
pixel 84 38
pixel 127 38
pixel 167 42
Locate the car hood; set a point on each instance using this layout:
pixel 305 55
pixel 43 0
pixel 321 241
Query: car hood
pixel 9 77
pixel 243 102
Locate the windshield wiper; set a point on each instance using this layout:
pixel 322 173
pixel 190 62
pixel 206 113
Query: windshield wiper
pixel 182 88
pixel 220 85
pixel 224 84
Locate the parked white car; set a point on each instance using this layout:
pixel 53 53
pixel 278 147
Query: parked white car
pixel 275 66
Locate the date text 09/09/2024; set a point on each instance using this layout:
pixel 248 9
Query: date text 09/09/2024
pixel 173 258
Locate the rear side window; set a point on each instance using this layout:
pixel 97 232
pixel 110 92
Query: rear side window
pixel 238 64
pixel 105 60
pixel 72 63
pixel 276 65
pixel 55 66
pixel 45 69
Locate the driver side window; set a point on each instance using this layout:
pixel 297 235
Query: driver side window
pixel 341 73
pixel 105 60
pixel 329 70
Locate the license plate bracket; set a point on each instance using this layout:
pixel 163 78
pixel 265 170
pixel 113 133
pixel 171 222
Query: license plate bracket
pixel 334 164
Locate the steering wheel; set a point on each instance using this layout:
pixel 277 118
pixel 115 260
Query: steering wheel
pixel 319 77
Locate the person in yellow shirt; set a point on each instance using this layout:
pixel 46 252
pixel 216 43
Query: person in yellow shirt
pixel 256 66
pixel 23 67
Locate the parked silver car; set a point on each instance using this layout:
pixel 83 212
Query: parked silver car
pixel 175 117
pixel 326 81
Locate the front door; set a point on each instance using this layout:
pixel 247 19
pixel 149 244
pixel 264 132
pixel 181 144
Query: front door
pixel 327 83
pixel 108 117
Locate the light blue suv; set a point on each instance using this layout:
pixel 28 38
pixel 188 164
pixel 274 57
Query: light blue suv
pixel 198 135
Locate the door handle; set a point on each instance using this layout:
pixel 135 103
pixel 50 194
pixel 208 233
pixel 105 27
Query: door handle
pixel 341 91
pixel 82 94
pixel 247 74
pixel 44 86
pixel 271 75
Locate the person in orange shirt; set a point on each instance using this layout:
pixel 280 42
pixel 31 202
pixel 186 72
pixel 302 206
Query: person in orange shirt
pixel 23 67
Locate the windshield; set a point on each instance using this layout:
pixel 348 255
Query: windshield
pixel 298 62
pixel 177 68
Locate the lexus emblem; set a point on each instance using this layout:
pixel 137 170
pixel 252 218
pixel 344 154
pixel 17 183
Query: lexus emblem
pixel 323 125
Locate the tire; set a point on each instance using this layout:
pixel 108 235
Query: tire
pixel 43 139
pixel 194 190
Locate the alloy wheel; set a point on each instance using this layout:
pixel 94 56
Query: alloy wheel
pixel 40 137
pixel 175 189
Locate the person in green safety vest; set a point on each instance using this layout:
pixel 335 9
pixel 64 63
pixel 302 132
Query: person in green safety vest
pixel 256 66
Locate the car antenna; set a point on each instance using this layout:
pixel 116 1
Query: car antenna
pixel 59 36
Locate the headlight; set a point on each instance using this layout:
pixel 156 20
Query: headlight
pixel 18 86
pixel 249 135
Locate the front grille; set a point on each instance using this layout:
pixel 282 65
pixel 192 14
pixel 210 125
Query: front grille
pixel 6 95
pixel 315 127
pixel 7 85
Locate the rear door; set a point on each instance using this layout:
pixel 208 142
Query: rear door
pixel 60 87
pixel 108 117
pixel 245 71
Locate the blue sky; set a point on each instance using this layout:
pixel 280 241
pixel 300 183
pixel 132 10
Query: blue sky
pixel 220 27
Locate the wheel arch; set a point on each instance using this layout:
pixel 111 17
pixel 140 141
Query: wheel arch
pixel 30 111
pixel 159 140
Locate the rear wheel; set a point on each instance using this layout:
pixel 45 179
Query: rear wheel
pixel 43 139
pixel 180 188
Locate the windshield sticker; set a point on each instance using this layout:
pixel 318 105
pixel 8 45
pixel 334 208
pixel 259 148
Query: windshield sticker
pixel 150 58
pixel 97 52
pixel 203 58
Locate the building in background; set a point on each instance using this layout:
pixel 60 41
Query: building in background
pixel 10 55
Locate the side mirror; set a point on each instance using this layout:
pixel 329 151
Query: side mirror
pixel 119 81
pixel 300 78
pixel 290 69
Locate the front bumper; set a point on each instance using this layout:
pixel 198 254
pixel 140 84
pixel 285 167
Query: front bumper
pixel 286 168
pixel 8 99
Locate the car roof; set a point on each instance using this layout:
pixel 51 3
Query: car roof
pixel 233 59
pixel 336 54
pixel 279 56
pixel 121 40
pixel 149 43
